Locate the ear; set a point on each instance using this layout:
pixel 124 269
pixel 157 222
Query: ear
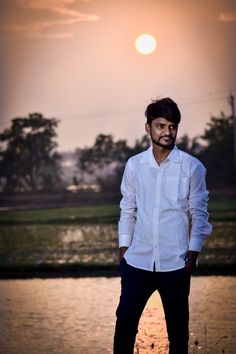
pixel 147 128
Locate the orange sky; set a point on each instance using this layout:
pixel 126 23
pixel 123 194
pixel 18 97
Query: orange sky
pixel 76 60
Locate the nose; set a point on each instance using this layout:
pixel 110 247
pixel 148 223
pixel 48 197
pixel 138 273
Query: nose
pixel 167 130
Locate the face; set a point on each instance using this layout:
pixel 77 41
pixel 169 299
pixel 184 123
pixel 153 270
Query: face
pixel 162 132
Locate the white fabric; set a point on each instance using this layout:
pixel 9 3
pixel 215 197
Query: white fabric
pixel 160 203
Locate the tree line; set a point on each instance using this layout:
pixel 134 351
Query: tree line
pixel 29 160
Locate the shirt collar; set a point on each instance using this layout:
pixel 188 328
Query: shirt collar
pixel 174 155
pixel 149 158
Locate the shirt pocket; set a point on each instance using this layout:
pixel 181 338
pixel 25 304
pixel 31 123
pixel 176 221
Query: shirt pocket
pixel 177 188
pixel 183 187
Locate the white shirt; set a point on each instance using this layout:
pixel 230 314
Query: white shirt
pixel 159 204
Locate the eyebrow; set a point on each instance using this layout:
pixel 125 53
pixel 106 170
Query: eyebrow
pixel 160 123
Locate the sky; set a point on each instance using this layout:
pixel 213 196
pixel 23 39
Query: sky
pixel 75 60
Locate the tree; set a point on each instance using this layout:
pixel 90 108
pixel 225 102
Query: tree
pixel 99 155
pixel 103 155
pixel 191 146
pixel 105 160
pixel 141 145
pixel 218 154
pixel 28 159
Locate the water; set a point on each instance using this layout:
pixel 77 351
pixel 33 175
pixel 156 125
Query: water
pixel 76 316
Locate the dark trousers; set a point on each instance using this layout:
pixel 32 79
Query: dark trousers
pixel 137 285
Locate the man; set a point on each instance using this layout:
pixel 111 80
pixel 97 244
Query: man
pixel 164 192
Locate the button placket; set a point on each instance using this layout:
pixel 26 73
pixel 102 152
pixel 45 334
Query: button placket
pixel 156 217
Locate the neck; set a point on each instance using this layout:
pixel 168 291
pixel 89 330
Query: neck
pixel 160 153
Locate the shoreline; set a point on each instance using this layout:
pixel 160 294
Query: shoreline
pixel 92 271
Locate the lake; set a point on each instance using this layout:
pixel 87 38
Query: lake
pixel 77 316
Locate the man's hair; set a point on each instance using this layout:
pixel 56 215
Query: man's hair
pixel 165 108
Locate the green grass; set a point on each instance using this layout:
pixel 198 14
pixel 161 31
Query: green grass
pixel 94 244
pixel 30 245
pixel 223 210
pixel 83 214
pixel 224 204
pixel 220 248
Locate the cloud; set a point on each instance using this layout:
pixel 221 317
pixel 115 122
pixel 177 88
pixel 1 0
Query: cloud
pixel 41 28
pixel 34 30
pixel 227 16
pixel 57 6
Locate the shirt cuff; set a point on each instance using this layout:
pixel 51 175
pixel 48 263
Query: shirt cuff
pixel 195 244
pixel 125 240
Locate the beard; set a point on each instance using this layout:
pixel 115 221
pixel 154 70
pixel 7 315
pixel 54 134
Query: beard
pixel 169 144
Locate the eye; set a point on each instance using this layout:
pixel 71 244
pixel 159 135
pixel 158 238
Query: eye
pixel 160 126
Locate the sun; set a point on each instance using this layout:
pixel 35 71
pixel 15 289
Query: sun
pixel 145 44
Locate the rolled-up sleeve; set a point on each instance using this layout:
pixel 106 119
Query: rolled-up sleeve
pixel 198 203
pixel 128 207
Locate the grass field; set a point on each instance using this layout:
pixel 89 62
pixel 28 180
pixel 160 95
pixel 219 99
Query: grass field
pixel 83 214
pixel 87 236
pixel 223 210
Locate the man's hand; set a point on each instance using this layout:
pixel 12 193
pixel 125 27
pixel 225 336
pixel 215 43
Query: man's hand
pixel 191 260
pixel 122 252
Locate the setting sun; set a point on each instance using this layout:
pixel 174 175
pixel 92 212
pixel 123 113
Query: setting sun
pixel 145 44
